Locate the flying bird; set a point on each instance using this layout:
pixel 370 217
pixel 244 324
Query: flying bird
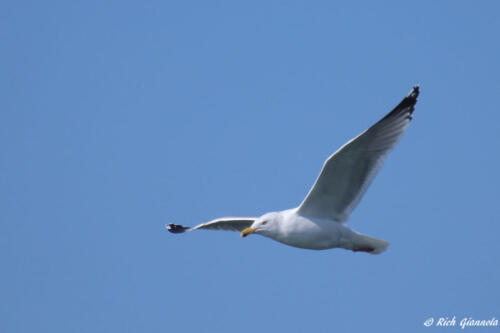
pixel 320 221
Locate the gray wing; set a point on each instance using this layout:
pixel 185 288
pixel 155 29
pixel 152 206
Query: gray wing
pixel 224 223
pixel 346 174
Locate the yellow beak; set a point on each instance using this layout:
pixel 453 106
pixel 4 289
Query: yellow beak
pixel 247 231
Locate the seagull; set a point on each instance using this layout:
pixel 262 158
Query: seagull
pixel 320 221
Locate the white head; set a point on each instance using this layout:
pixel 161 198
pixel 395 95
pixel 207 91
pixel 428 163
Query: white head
pixel 266 225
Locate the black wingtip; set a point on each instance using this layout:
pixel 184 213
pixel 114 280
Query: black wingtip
pixel 407 104
pixel 410 100
pixel 176 228
pixel 414 92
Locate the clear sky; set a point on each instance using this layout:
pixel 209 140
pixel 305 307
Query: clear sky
pixel 117 117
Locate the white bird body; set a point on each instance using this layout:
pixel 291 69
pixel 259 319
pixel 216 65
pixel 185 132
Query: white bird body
pixel 319 222
pixel 315 233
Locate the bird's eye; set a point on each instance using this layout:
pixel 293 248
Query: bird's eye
pixel 264 222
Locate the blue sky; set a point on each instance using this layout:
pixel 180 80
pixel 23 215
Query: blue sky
pixel 117 117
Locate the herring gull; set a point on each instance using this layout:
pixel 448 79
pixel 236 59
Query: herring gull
pixel 319 222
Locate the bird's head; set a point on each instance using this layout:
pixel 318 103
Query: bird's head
pixel 264 225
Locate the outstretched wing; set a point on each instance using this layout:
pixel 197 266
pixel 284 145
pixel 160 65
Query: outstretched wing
pixel 346 174
pixel 224 223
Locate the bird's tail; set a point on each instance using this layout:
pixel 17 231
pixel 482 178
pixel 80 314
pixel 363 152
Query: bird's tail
pixel 369 244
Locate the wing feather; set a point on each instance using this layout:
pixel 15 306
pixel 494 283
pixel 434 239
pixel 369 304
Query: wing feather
pixel 224 223
pixel 347 174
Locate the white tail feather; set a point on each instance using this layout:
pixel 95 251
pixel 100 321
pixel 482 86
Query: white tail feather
pixel 369 244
